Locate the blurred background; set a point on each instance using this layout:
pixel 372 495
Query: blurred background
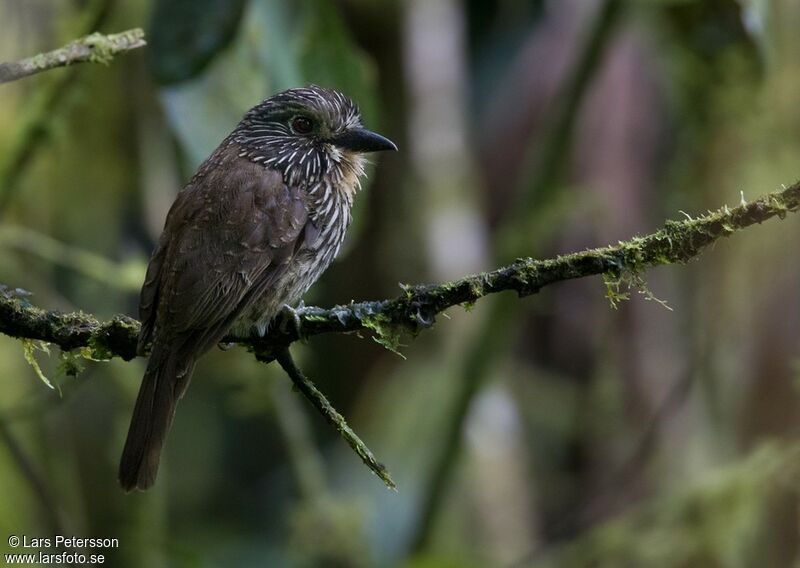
pixel 548 431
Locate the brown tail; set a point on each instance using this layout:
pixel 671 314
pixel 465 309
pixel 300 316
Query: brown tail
pixel 167 376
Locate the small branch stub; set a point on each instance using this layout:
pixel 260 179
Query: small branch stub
pixel 318 401
pixel 94 48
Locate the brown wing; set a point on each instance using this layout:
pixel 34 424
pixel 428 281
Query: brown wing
pixel 180 214
pixel 148 297
pixel 227 235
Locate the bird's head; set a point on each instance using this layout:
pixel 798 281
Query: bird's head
pixel 309 133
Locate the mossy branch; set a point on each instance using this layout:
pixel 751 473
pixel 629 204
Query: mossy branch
pixel 95 48
pixel 416 308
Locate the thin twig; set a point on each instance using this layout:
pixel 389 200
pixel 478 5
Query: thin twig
pixel 94 48
pixel 318 400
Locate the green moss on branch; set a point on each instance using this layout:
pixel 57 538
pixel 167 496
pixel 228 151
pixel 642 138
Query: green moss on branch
pixel 676 243
pixel 416 308
pixel 114 338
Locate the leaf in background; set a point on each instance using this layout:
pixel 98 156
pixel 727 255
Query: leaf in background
pixel 280 44
pixel 185 35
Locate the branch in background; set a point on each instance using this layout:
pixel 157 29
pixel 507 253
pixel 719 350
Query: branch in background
pixel 41 109
pixel 416 309
pixel 94 48
pixel 541 167
pixel 39 483
pixel 126 276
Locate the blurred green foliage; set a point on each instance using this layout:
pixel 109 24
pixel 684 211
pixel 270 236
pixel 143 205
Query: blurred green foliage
pixel 635 437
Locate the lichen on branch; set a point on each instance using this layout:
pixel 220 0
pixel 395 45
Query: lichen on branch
pixel 94 48
pixel 21 319
pixel 417 307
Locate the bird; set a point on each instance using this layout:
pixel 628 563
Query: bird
pixel 257 224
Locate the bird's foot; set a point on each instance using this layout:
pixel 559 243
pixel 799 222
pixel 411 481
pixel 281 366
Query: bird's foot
pixel 226 345
pixel 288 320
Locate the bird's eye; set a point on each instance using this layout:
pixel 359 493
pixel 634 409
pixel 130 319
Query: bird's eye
pixel 302 125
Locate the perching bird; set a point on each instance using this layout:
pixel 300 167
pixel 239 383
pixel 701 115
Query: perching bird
pixel 254 228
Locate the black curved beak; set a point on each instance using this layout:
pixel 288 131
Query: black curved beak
pixel 363 140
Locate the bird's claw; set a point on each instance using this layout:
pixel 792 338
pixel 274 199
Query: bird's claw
pixel 288 320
